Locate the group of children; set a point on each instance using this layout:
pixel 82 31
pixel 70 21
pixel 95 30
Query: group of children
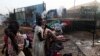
pixel 53 46
pixel 32 43
pixel 24 40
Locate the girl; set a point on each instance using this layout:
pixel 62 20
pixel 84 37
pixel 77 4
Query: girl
pixel 15 43
pixel 38 41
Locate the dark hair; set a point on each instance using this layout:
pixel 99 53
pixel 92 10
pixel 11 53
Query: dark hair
pixel 11 32
pixel 38 19
pixel 14 26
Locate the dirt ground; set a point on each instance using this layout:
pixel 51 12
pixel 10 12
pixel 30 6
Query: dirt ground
pixel 1 53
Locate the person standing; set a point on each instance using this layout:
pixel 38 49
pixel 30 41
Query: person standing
pixel 14 43
pixel 38 41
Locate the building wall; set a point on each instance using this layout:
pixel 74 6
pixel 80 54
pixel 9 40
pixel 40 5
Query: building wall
pixel 28 14
pixel 86 10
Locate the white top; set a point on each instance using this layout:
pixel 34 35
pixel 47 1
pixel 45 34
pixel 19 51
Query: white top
pixel 37 30
pixel 38 46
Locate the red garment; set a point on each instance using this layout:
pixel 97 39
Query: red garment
pixel 67 22
pixel 57 54
pixel 5 39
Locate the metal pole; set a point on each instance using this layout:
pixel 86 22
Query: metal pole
pixel 94 32
pixel 73 16
pixel 74 8
pixel 74 3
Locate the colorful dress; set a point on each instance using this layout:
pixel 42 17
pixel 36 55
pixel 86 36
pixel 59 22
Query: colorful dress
pixel 11 51
pixel 20 42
